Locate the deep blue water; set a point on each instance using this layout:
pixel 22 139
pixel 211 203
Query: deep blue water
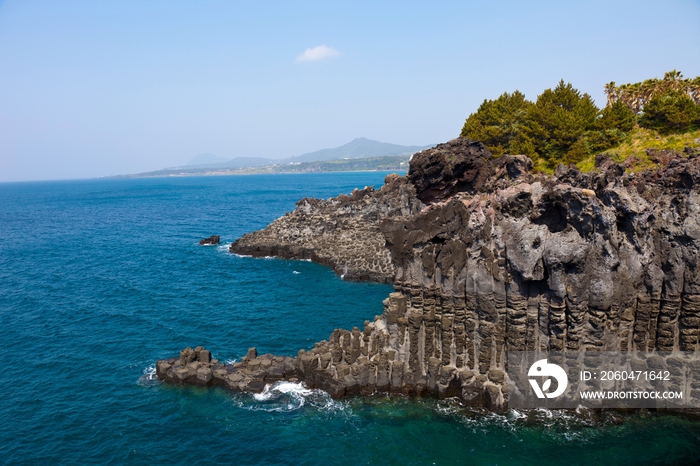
pixel 98 279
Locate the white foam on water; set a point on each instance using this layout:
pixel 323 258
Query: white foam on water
pixel 230 362
pixel 149 376
pixel 295 272
pixel 289 396
pixel 247 255
pixel 272 391
pixel 568 424
pixel 514 415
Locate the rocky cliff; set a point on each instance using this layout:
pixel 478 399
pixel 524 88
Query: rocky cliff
pixel 342 232
pixel 486 257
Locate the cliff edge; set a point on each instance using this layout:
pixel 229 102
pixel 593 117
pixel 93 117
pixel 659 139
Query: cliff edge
pixel 487 257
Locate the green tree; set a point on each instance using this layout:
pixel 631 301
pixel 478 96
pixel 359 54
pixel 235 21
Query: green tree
pixel 498 123
pixel 616 116
pixel 671 111
pixel 611 128
pixel 557 121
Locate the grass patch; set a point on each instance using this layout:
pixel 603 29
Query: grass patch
pixel 640 139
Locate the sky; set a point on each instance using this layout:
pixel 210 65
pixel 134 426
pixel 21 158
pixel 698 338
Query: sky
pixel 98 88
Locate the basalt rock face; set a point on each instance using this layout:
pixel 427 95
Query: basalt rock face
pixel 455 166
pixel 342 232
pixel 503 260
pixel 251 374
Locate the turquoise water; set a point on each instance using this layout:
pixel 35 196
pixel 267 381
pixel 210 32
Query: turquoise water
pixel 98 279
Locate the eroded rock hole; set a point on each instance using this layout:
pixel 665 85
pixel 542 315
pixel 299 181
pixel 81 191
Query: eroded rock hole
pixel 553 214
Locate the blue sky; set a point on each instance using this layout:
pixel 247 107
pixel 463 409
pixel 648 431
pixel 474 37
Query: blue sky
pixel 91 89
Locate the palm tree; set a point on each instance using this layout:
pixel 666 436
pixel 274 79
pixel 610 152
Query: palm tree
pixel 673 81
pixel 611 92
pixel 636 95
pixel 694 89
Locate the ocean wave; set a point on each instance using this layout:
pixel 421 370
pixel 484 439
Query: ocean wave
pixel 295 272
pixel 149 376
pixel 248 255
pixel 571 425
pixel 289 396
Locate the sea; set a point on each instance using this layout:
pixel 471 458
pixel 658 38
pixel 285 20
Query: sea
pixel 101 278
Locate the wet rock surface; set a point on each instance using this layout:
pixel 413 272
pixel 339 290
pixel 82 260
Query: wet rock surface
pixel 487 257
pixel 212 240
pixel 251 374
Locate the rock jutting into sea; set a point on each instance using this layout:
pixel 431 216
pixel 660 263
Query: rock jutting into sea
pixel 211 241
pixel 487 257
pixel 342 232
pixel 195 366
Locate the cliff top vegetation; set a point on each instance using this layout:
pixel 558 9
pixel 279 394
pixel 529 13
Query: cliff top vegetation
pixel 564 125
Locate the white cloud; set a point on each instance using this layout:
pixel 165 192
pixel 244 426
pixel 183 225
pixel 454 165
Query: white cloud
pixel 318 53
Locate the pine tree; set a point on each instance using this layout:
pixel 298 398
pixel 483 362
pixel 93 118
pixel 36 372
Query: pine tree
pixel 498 123
pixel 557 121
pixel 671 111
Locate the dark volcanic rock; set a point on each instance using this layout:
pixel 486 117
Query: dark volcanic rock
pixel 214 239
pixel 342 232
pixel 455 166
pixel 502 260
pixel 251 374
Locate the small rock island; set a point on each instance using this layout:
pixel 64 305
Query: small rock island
pixel 211 241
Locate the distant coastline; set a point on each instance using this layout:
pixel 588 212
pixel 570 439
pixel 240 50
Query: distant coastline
pixel 345 165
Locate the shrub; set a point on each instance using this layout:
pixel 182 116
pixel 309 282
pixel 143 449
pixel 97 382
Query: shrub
pixel 557 121
pixel 498 123
pixel 672 111
pixel 617 116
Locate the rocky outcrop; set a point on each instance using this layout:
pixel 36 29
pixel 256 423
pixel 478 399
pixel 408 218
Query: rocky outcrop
pixel 342 232
pixel 489 258
pixel 460 165
pixel 212 240
pixel 251 374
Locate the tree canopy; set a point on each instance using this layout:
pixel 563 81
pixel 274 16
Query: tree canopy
pixel 557 121
pixel 497 123
pixel 636 95
pixel 669 112
pixel 564 125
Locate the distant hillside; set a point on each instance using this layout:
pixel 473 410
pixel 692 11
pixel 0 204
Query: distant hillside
pixel 379 155
pixel 359 148
pixel 344 165
pixel 386 163
pixel 238 162
pixel 205 159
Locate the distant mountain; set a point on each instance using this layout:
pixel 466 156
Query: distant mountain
pixel 358 148
pixel 242 162
pixel 206 159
